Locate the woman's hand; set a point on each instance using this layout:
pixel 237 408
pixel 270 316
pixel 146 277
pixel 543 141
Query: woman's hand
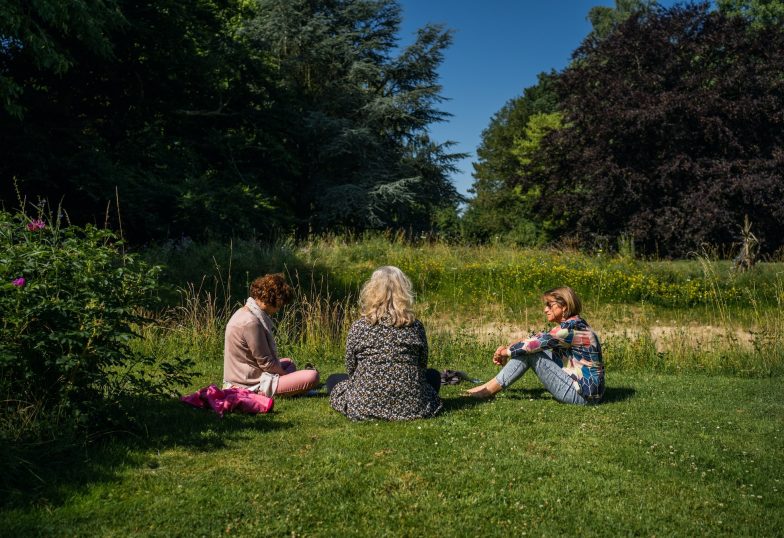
pixel 501 355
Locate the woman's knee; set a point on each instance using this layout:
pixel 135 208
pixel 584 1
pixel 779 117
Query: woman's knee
pixel 311 377
pixel 511 372
pixel 297 382
pixel 433 378
pixel 333 380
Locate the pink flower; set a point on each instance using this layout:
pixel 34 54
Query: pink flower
pixel 19 282
pixel 36 225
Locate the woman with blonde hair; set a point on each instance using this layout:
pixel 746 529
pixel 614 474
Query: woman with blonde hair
pixel 567 359
pixel 386 356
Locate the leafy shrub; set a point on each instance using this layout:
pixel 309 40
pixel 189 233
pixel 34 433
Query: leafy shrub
pixel 70 299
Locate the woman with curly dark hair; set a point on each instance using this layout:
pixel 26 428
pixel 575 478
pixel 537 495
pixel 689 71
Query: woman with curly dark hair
pixel 250 356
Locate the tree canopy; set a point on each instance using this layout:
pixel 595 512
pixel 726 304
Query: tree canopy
pixel 497 208
pixel 224 116
pixel 673 132
pixel 670 131
pixel 252 117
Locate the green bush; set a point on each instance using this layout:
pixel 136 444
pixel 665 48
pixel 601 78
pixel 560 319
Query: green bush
pixel 71 300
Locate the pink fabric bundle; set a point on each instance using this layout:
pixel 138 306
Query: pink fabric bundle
pixel 228 400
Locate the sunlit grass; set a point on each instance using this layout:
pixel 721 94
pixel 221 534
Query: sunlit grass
pixel 696 314
pixel 667 455
pixel 689 441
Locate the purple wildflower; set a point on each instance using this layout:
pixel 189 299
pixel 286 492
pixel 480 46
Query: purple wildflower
pixel 19 282
pixel 36 225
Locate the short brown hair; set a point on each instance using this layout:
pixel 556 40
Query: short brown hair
pixel 272 290
pixel 567 298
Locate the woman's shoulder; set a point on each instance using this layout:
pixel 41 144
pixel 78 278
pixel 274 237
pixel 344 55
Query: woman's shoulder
pixel 242 318
pixel 576 323
pixel 418 325
pixel 415 330
pixel 360 323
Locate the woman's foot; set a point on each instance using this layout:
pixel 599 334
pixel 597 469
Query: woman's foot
pixel 488 390
pixel 480 394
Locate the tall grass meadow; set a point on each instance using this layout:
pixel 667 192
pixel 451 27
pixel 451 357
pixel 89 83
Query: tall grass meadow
pixel 669 316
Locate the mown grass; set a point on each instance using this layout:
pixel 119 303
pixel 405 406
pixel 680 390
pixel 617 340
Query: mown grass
pixel 688 442
pixel 664 456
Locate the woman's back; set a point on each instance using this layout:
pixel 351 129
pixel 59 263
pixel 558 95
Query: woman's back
pixel 386 365
pixel 385 344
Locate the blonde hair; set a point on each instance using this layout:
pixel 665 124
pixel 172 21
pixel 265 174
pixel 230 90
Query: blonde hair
pixel 567 298
pixel 387 296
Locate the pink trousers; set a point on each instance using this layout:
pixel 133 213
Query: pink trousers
pixel 295 381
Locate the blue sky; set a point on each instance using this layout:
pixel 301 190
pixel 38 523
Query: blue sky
pixel 499 48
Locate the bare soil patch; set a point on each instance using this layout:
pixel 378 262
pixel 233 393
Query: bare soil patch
pixel 664 337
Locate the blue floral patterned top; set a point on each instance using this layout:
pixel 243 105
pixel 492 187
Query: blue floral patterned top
pixel 576 349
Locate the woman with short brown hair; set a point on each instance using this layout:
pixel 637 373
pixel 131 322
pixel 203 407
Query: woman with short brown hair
pixel 250 356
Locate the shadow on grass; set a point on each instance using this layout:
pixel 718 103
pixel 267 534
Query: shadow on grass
pixel 166 423
pixel 459 402
pixel 537 393
pixel 617 394
pixel 611 394
pixel 46 474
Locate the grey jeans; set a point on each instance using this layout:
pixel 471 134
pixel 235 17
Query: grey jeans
pixel 552 376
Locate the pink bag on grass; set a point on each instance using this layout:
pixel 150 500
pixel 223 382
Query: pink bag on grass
pixel 228 400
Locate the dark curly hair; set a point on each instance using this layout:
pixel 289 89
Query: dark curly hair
pixel 272 290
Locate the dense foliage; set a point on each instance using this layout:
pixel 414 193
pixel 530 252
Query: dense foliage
pixel 604 19
pixel 760 13
pixel 70 300
pixel 672 124
pixel 498 208
pixel 223 116
pixel 674 132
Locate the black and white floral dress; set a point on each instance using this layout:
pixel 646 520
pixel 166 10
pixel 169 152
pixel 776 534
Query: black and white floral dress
pixel 386 367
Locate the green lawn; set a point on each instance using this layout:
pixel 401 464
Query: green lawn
pixel 665 455
pixel 689 441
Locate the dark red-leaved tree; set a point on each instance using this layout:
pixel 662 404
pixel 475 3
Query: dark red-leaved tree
pixel 675 130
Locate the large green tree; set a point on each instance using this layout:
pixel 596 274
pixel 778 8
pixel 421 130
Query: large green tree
pixel 674 129
pixel 355 112
pixel 145 119
pixel 46 37
pixel 498 209
pixel 223 116
pixel 605 19
pixel 760 13
pixel 502 206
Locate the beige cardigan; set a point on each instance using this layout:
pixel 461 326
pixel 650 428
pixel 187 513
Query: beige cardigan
pixel 247 350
